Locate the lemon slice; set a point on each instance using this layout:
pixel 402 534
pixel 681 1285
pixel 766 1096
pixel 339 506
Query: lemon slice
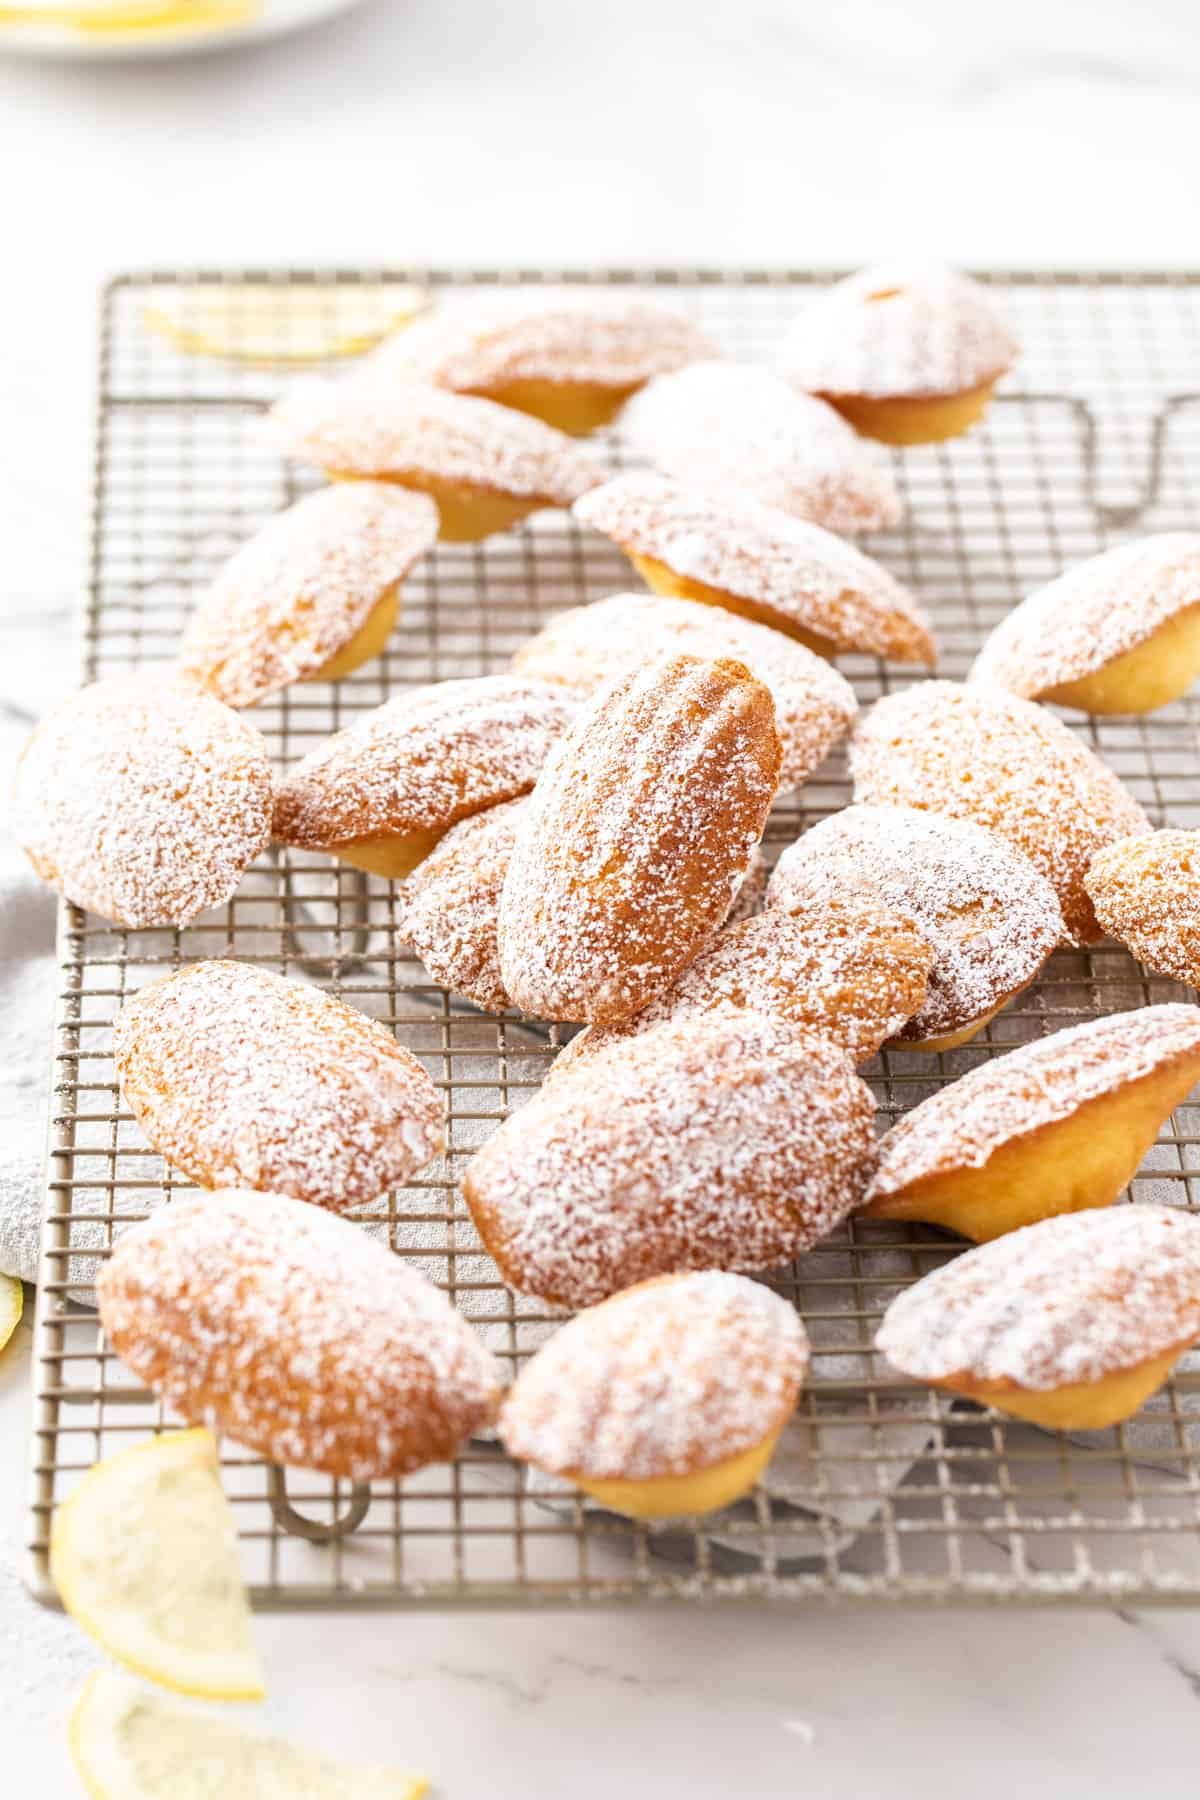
pixel 132 1745
pixel 144 1557
pixel 12 1304
pixel 128 15
pixel 266 322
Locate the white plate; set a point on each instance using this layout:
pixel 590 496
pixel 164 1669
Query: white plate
pixel 274 19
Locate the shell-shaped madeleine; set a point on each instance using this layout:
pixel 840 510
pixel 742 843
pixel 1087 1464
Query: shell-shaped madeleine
pixel 982 754
pixel 670 1377
pixel 1119 633
pixel 298 592
pixel 449 907
pixel 296 1334
pixel 591 645
pixel 728 1142
pixel 143 799
pixel 989 918
pixel 755 560
pixel 637 838
pixel 1146 891
pixel 243 1078
pixel 741 427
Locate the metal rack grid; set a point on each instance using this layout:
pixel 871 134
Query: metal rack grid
pixel 892 1492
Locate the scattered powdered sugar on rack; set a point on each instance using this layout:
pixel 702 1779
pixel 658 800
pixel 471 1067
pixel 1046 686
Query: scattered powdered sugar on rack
pixel 1072 1299
pixel 411 433
pixel 296 1334
pixel 983 754
pixel 727 1141
pixel 423 760
pixel 989 918
pixel 740 426
pixel 664 1380
pixel 1146 891
pixel 898 329
pixel 296 593
pixel 143 799
pixel 794 574
pixel 1011 1096
pixel 1092 614
pixel 591 645
pixel 559 335
pixel 243 1078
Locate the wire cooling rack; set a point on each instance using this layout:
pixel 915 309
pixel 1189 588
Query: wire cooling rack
pixel 883 1490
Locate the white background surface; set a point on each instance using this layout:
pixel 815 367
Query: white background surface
pixel 630 131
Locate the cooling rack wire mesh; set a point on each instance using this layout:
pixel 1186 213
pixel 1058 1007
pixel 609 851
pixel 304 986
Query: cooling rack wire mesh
pixel 884 1491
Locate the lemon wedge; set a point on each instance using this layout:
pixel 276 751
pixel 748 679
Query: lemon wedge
pixel 270 322
pixel 144 1557
pixel 12 1304
pixel 132 1745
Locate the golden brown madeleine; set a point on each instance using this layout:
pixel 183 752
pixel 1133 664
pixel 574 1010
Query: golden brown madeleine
pixel 242 1078
pixel 570 356
pixel 296 1334
pixel 666 1399
pixel 1057 1126
pixel 143 799
pixel 726 551
pixel 449 907
pixel 982 754
pixel 383 792
pixel 1072 1323
pixel 485 466
pixel 909 354
pixel 844 967
pixel 639 833
pixel 741 427
pixel 1146 891
pixel 989 918
pixel 591 645
pixel 1119 633
pixel 719 1142
pixel 314 588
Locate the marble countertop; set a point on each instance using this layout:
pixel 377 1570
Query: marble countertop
pixel 639 131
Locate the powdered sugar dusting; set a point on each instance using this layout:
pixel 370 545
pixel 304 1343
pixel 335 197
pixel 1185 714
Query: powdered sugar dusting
pixel 298 591
pixel 1146 891
pixel 1072 1299
pixel 591 645
pixel 795 574
pixel 143 799
pixel 739 426
pixel 449 906
pixel 666 1379
pixel 1092 614
pixel 727 1141
pixel 963 1125
pixel 982 754
pixel 637 837
pixel 423 761
pixel 989 918
pixel 243 1078
pixel 296 1334
pixel 898 329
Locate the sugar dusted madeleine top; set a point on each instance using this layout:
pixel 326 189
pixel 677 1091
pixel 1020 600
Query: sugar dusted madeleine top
pixel 1146 891
pixel 295 1333
pixel 423 761
pixel 638 835
pixel 784 571
pixel 591 645
pixel 449 906
pixel 670 1377
pixel 143 799
pixel 730 1142
pixel 898 330
pixel 299 590
pixel 740 426
pixel 983 754
pixel 245 1079
pixel 1070 1300
pixel 1095 612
